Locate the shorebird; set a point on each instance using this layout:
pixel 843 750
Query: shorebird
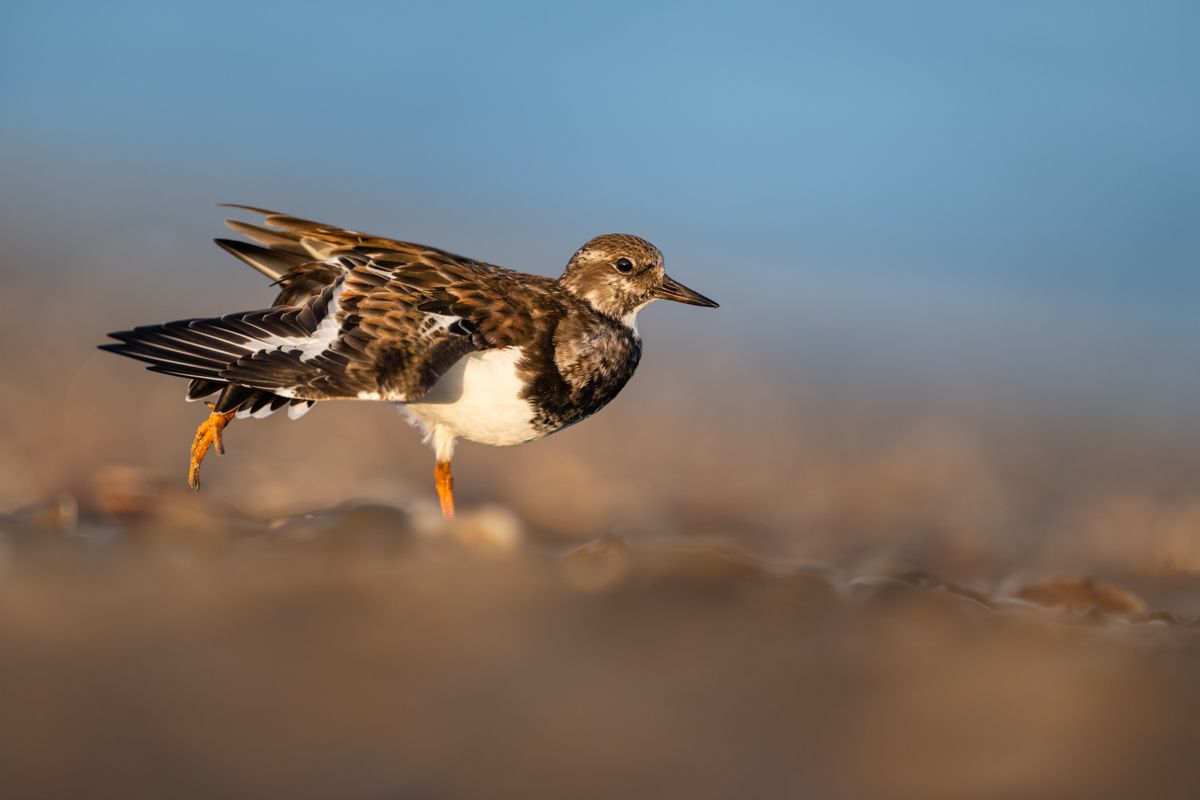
pixel 467 350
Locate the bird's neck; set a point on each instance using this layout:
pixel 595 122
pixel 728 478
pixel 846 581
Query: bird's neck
pixel 607 300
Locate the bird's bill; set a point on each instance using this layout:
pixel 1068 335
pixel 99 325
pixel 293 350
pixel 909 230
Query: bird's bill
pixel 672 289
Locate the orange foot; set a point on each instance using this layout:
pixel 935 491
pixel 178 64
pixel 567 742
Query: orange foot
pixel 207 435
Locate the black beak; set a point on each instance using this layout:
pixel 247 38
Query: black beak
pixel 672 289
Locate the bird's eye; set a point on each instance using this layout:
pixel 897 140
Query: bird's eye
pixel 624 265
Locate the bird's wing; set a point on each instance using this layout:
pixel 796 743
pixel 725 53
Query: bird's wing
pixel 412 314
pixel 298 254
pixel 287 351
pixel 387 327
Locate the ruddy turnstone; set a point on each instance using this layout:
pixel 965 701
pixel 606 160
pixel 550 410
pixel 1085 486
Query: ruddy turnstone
pixel 467 350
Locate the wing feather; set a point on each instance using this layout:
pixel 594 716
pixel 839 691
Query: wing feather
pixel 357 316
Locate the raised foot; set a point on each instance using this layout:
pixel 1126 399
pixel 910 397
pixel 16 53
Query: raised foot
pixel 207 435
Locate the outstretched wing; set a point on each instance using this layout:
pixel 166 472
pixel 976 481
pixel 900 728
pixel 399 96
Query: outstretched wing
pixel 358 316
pixel 496 306
pixel 387 327
pixel 299 254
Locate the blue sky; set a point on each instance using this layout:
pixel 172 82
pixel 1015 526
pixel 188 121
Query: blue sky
pixel 1016 167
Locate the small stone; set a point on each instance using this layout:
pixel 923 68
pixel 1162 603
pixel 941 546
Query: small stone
pixel 488 529
pixel 879 589
pixel 1082 595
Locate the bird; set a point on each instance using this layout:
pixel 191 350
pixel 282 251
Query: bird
pixel 466 349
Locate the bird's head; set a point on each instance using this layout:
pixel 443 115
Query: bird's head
pixel 618 274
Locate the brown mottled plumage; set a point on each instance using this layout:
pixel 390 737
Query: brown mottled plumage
pixel 468 349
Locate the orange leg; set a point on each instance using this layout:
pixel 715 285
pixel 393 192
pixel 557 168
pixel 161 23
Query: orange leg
pixel 445 487
pixel 207 435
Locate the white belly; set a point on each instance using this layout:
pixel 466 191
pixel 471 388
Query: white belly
pixel 478 399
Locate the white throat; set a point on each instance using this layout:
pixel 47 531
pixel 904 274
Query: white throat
pixel 630 319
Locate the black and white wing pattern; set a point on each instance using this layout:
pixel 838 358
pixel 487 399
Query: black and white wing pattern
pixel 358 317
pixel 338 345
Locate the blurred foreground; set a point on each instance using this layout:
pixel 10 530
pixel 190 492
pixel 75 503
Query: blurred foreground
pixel 158 644
pixel 829 580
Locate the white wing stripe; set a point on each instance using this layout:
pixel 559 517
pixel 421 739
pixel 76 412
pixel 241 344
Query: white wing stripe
pixel 321 340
